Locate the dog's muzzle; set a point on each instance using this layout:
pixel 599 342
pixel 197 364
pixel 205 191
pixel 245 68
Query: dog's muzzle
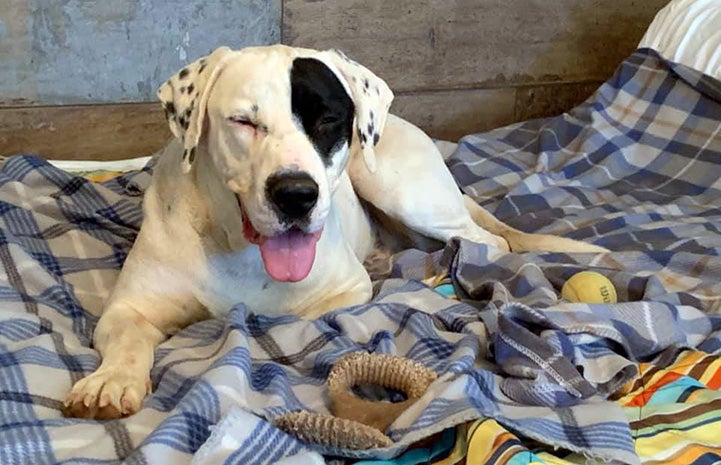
pixel 289 254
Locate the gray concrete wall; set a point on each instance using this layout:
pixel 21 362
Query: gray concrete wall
pixel 98 51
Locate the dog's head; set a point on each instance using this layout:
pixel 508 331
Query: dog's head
pixel 278 124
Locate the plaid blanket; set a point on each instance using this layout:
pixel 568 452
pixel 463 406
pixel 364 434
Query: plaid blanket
pixel 635 169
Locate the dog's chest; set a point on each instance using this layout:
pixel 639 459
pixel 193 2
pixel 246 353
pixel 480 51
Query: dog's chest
pixel 235 277
pixel 231 278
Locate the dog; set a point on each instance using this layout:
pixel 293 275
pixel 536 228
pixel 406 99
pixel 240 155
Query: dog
pixel 266 196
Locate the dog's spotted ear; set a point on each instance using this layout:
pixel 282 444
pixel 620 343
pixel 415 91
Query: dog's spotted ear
pixel 372 99
pixel 185 97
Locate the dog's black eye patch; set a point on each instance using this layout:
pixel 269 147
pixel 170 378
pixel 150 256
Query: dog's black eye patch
pixel 321 104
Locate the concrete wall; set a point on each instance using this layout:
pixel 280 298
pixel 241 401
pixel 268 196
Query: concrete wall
pixel 456 66
pixel 90 51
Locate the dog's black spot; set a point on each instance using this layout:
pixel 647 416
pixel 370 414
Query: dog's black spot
pixel 376 138
pixel 170 108
pixel 371 129
pixel 169 208
pixel 254 108
pixel 322 105
pixel 183 122
pixel 183 73
pixel 202 67
pixel 191 157
pixel 365 83
pixel 189 111
pixel 190 88
pixel 182 90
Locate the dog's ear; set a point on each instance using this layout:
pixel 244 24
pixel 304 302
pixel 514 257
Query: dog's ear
pixel 371 96
pixel 185 97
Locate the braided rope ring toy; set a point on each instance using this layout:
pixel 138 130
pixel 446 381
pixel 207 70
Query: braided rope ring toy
pixel 357 423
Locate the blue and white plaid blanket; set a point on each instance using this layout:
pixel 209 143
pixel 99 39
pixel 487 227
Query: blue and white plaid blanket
pixel 636 168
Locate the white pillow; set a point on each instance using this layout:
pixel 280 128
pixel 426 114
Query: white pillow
pixel 688 32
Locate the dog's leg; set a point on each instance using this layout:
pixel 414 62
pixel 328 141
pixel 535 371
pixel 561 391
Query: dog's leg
pixel 413 185
pixel 520 241
pixel 149 303
pixel 126 341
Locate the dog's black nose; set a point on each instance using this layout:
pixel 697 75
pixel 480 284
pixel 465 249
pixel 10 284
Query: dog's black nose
pixel 294 194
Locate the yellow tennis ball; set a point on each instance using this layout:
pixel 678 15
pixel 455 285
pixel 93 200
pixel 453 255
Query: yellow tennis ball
pixel 589 287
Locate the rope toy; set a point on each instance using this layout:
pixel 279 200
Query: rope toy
pixel 356 423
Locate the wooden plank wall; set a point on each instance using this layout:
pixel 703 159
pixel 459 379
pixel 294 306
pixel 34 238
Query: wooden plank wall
pixel 461 66
pixel 457 66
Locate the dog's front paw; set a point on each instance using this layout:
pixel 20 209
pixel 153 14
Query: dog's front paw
pixel 107 394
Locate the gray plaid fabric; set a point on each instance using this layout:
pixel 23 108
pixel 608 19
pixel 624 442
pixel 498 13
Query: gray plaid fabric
pixel 634 168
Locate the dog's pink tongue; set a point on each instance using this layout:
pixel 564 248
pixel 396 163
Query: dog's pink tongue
pixel 289 256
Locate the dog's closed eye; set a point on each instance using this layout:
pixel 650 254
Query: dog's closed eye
pixel 327 122
pixel 243 121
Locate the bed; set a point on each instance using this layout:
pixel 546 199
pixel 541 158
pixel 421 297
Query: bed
pixel 524 376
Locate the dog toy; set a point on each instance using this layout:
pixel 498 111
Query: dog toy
pixel 589 287
pixel 357 423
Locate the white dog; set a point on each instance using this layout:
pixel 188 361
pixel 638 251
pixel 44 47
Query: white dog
pixel 258 200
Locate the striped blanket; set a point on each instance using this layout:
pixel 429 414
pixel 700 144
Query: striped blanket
pixel 523 375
